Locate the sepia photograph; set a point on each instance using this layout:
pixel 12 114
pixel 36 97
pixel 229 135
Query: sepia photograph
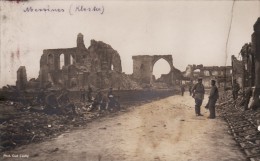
pixel 127 80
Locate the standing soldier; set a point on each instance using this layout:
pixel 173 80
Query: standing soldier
pixel 190 87
pixel 235 89
pixel 182 89
pixel 213 97
pixel 65 103
pixel 82 94
pixel 52 104
pixel 89 95
pixel 198 94
pixel 41 97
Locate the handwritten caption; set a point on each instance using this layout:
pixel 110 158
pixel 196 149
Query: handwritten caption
pixel 71 9
pixel 15 155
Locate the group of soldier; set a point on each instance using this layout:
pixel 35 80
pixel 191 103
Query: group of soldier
pixel 56 105
pixel 198 91
pixel 59 102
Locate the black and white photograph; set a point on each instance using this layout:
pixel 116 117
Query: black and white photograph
pixel 128 80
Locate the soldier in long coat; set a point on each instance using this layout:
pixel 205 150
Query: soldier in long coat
pixel 198 94
pixel 213 97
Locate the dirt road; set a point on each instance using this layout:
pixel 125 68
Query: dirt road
pixel 163 130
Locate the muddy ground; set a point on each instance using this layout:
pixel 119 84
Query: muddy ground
pixel 163 130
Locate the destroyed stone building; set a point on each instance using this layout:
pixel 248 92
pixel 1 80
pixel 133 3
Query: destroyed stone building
pixel 247 70
pixel 73 67
pixel 256 52
pixel 99 65
pixel 244 69
pixel 143 69
pixel 222 74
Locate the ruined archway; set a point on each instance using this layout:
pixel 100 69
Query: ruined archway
pixel 143 67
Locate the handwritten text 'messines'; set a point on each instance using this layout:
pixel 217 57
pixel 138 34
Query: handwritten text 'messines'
pixel 72 9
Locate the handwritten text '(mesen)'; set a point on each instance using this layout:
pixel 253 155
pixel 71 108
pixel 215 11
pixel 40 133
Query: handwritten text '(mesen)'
pixel 72 9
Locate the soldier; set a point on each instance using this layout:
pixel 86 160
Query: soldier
pixel 65 103
pixel 198 94
pixel 213 97
pixel 41 97
pixel 235 89
pixel 82 95
pixel 98 100
pixel 89 93
pixel 52 104
pixel 190 88
pixel 182 89
pixel 51 100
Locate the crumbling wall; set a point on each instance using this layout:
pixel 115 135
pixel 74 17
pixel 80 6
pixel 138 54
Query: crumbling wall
pixel 237 70
pixel 103 57
pixel 79 62
pixel 248 60
pixel 222 74
pixel 256 51
pixel 142 68
pixel 21 82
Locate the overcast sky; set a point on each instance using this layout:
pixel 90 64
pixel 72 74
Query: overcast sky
pixel 193 32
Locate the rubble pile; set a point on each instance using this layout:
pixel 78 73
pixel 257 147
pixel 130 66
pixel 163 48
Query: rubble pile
pixel 24 126
pixel 115 79
pixel 243 125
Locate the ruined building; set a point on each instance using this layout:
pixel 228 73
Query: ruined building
pixel 244 69
pixel 222 74
pixel 256 52
pixel 98 65
pixel 247 70
pixel 143 69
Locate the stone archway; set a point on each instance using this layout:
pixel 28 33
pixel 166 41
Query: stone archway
pixel 143 67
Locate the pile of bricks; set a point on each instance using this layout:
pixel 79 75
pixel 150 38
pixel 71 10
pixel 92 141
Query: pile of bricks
pixel 243 125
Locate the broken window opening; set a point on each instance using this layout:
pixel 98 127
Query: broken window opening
pixel 62 63
pixel 196 72
pixel 71 59
pixel 112 67
pixel 206 73
pixel 215 73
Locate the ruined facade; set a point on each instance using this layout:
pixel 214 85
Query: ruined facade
pixel 222 74
pixel 73 67
pixel 256 52
pixel 143 69
pixel 244 69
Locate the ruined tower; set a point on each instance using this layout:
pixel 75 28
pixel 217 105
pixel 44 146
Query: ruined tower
pixel 21 78
pixel 80 41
